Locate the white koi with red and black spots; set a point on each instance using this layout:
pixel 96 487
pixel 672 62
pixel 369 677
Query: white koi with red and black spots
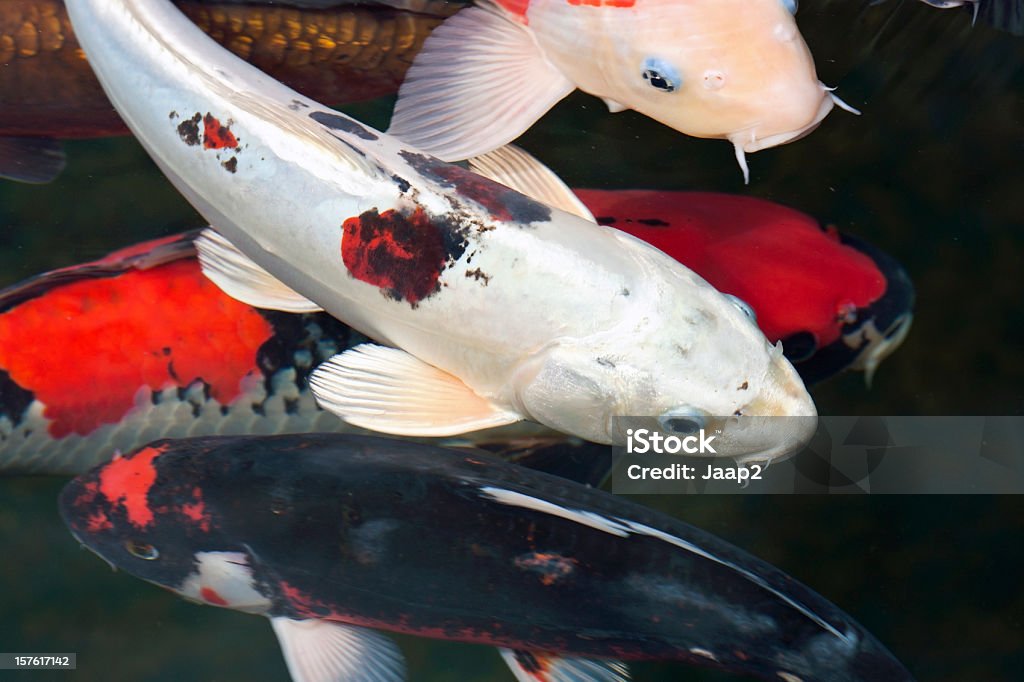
pixel 504 308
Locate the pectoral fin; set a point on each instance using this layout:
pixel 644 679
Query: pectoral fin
pixel 517 169
pixel 479 82
pixel 389 390
pixel 242 279
pixel 33 160
pixel 534 666
pixel 328 651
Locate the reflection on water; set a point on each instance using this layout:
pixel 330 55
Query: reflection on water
pixel 930 173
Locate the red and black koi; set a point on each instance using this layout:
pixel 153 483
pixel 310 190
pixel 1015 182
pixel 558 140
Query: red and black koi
pixel 328 535
pixel 145 346
pixel 140 345
pixel 833 300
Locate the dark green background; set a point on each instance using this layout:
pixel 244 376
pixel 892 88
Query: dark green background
pixel 932 173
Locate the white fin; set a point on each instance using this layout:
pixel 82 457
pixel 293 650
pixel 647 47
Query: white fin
pixel 389 390
pixel 517 169
pixel 613 106
pixel 243 280
pixel 479 82
pixel 535 666
pixel 328 651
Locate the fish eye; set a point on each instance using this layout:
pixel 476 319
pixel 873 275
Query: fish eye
pixel 141 550
pixel 743 306
pixel 791 5
pixel 683 420
pixel 661 75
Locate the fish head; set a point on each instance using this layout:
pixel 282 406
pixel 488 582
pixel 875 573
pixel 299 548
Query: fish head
pixel 145 513
pixel 730 69
pixel 694 359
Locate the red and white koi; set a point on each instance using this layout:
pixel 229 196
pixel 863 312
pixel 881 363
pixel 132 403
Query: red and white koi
pixel 727 69
pixel 503 308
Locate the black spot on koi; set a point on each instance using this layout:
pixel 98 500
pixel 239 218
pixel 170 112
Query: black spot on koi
pixel 189 130
pixel 501 202
pixel 478 275
pixel 343 123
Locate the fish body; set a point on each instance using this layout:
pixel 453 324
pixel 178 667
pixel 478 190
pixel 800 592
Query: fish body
pixel 730 69
pixel 833 301
pixel 508 308
pixel 141 345
pixel 59 418
pixel 323 532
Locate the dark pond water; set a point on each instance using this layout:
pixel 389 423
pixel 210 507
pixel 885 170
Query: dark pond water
pixel 932 173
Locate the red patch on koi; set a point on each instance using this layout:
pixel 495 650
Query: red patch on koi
pixel 517 8
pixel 211 597
pixel 306 606
pixel 196 511
pixel 403 255
pixel 127 480
pixel 551 567
pixel 217 136
pixel 97 522
pixel 602 3
pixel 97 342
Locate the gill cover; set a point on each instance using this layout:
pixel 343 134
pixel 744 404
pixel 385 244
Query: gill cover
pixel 556 393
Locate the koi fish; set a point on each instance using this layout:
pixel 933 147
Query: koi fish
pixel 494 307
pixel 57 417
pixel 328 536
pixel 133 367
pixel 340 55
pixel 730 69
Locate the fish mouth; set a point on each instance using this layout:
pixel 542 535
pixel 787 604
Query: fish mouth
pixel 749 142
pixel 776 424
pixel 746 141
